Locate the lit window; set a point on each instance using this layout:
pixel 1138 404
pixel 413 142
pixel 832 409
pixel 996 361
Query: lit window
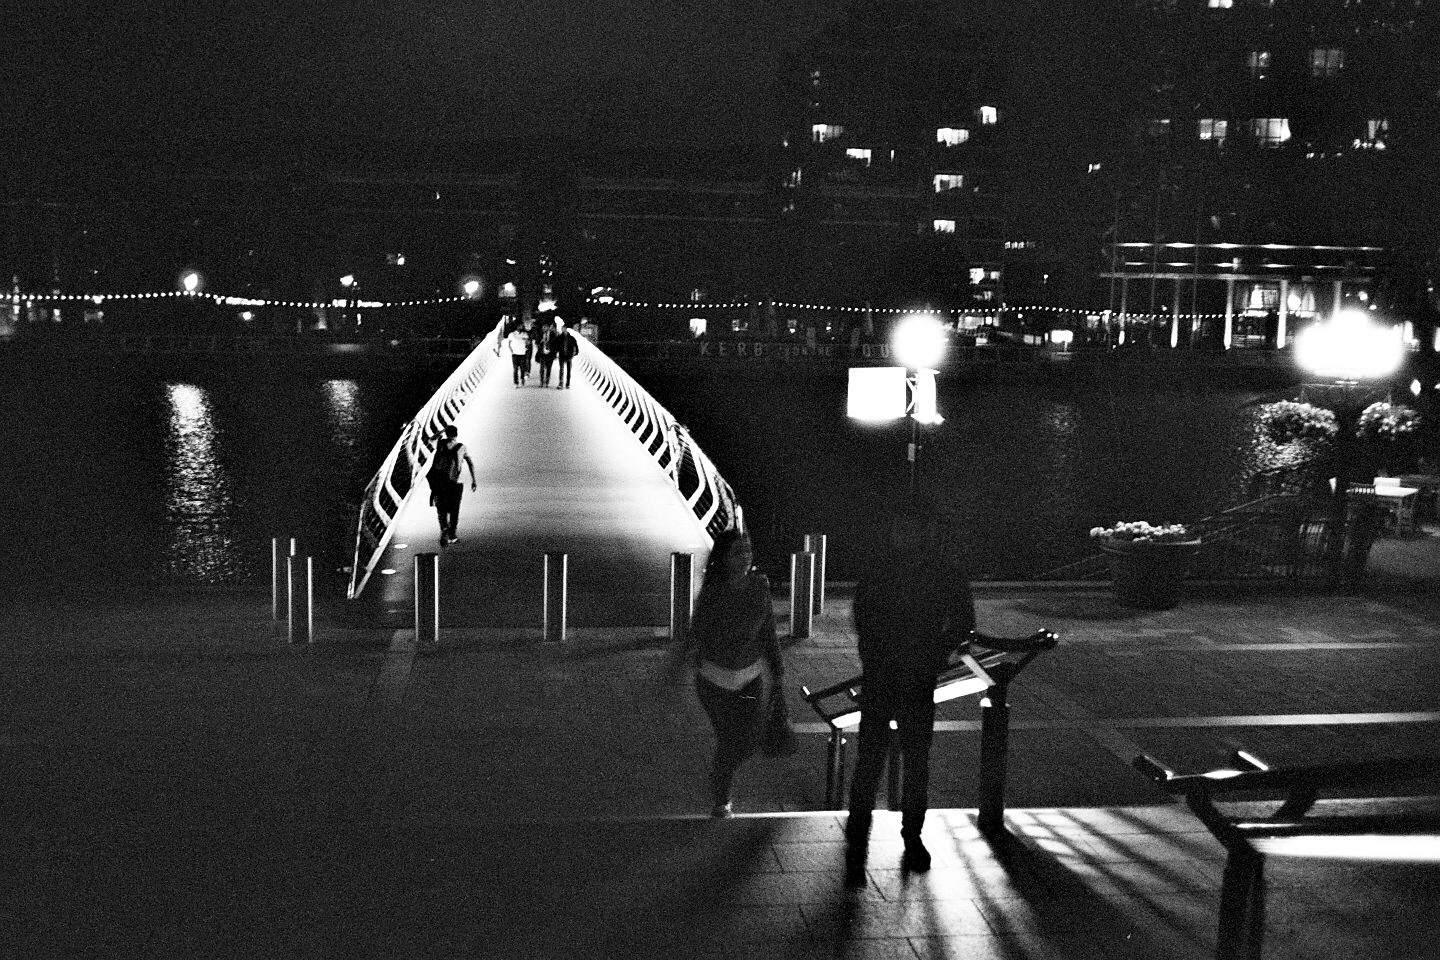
pixel 977 274
pixel 823 132
pixel 1258 62
pixel 1211 129
pixel 1326 62
pixel 788 206
pixel 944 226
pixel 1092 167
pixel 1270 131
pixel 987 116
pixel 814 78
pixel 1158 128
pixel 792 179
pixel 1375 133
pixel 949 181
pixel 952 136
pixel 1221 4
pixel 859 154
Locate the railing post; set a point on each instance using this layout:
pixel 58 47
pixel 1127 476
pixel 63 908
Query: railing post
pixel 300 593
pixel 802 591
pixel 277 572
pixel 682 594
pixel 835 770
pixel 427 600
pixel 894 763
pixel 556 566
pixel 994 752
pixel 815 543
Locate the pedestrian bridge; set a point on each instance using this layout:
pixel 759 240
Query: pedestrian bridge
pixel 599 471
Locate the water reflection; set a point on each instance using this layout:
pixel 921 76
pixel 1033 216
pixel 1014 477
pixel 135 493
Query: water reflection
pixel 198 502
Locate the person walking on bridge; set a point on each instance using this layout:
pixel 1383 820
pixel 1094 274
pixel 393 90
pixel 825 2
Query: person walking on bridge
pixel 518 343
pixel 565 350
pixel 446 484
pixel 546 340
pixel 912 609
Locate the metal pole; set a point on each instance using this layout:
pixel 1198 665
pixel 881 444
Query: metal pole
pixel 994 754
pixel 892 768
pixel 299 599
pixel 815 543
pixel 277 573
pixel 682 594
pixel 556 565
pixel 427 600
pixel 835 770
pixel 802 591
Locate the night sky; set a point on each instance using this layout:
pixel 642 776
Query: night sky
pixel 160 71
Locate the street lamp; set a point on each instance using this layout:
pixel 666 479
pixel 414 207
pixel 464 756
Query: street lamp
pixel 889 393
pixel 1346 350
pixel 352 287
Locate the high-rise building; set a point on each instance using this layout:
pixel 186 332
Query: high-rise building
pixel 1274 160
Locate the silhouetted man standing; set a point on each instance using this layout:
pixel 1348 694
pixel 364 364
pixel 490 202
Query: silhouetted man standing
pixel 912 609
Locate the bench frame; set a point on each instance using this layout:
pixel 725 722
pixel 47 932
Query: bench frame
pixel 984 665
pixel 1288 829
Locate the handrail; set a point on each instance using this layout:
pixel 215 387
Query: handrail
pixel 390 488
pixel 667 441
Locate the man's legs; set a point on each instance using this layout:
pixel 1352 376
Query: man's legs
pixel 865 784
pixel 515 361
pixel 447 506
pixel 916 721
pixel 564 373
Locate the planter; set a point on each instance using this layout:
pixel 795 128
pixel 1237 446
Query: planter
pixel 1149 575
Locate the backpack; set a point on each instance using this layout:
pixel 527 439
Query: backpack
pixel 446 465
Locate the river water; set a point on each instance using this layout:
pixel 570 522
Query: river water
pixel 118 477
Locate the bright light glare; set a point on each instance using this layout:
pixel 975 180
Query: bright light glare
pixel 876 393
pixel 1350 346
pixel 348 280
pixel 472 288
pixel 190 281
pixel 927 410
pixel 919 340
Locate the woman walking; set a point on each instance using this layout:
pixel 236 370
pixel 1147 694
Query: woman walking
pixel 737 658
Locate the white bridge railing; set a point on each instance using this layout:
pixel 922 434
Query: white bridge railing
pixel 667 441
pixel 393 483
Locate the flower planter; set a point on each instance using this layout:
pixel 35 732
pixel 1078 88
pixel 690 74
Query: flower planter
pixel 1149 575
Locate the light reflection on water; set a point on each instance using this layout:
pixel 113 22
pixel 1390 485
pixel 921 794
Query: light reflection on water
pixel 198 503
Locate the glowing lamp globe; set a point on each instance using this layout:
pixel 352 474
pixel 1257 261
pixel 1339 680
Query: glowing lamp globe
pixel 190 281
pixel 919 340
pixel 1350 346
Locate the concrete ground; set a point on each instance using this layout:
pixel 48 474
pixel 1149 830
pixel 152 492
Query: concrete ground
pixel 180 781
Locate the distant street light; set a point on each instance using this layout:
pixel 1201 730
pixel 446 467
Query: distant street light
pixel 353 286
pixel 1345 350
pixel 191 281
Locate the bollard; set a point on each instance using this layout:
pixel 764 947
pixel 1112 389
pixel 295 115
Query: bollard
pixel 994 752
pixel 300 599
pixel 277 571
pixel 802 592
pixel 427 600
pixel 555 582
pixel 815 543
pixel 682 594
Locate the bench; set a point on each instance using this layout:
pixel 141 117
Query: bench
pixel 984 665
pixel 1288 831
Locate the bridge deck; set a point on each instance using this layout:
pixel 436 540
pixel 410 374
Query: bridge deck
pixel 557 470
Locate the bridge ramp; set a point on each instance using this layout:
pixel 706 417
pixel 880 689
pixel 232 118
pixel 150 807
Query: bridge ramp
pixel 558 471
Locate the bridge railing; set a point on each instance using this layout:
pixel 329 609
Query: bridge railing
pixel 667 441
pixel 410 457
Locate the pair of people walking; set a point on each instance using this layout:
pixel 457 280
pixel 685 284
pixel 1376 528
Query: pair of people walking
pixel 555 344
pixel 913 608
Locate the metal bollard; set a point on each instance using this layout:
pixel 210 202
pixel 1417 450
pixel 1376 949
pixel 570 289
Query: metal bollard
pixel 556 564
pixel 427 600
pixel 277 572
pixel 682 594
pixel 300 599
pixel 802 592
pixel 815 543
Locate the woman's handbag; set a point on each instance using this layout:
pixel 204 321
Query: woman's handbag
pixel 779 739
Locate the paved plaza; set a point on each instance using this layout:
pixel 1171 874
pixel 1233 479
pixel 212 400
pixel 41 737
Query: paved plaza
pixel 181 782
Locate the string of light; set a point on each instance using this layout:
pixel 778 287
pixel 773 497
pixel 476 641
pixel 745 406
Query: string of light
pixel 28 298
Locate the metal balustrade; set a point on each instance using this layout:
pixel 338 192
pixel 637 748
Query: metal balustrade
pixel 666 440
pixel 388 491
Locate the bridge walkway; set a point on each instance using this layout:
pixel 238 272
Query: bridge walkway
pixel 558 470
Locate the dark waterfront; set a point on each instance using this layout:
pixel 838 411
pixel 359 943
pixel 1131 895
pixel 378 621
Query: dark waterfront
pixel 122 475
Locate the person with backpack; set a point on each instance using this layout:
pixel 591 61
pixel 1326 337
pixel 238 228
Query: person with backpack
pixel 545 344
pixel 446 486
